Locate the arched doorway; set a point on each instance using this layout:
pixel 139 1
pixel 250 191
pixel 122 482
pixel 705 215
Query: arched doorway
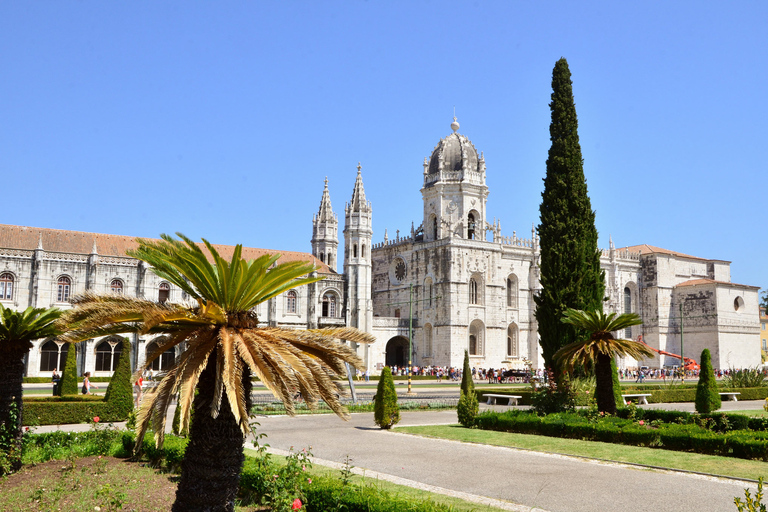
pixel 397 351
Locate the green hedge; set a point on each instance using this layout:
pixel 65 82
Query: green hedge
pixel 40 412
pixel 730 442
pixel 658 396
pixel 47 380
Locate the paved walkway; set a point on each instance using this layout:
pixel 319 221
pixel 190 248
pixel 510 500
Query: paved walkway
pixel 506 478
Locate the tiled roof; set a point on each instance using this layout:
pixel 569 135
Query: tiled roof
pixel 696 282
pixel 78 242
pixel 649 249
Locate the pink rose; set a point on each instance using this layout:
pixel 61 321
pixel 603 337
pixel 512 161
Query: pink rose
pixel 96 419
pixel 297 504
pixel 641 423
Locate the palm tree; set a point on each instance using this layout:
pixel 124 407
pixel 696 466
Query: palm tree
pixel 17 330
pixel 600 348
pixel 223 344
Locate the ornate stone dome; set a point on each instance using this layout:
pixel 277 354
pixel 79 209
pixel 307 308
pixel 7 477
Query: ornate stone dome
pixel 455 152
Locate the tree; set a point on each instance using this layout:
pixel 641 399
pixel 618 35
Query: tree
pixel 17 331
pixel 764 300
pixel 468 405
pixel 600 348
pixel 68 385
pixel 386 412
pixel 570 260
pixel 707 394
pixel 223 343
pixel 120 389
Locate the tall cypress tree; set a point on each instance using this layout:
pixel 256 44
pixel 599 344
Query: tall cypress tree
pixel 570 260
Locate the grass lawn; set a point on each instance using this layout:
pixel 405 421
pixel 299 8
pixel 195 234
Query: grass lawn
pixel 723 466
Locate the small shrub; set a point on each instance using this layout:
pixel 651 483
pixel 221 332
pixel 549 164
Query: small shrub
pixel 386 413
pixel 468 405
pixel 68 384
pixel 744 378
pixel 752 504
pixel 553 398
pixel 707 395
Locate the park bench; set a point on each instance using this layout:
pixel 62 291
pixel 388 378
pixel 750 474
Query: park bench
pixel 730 397
pixel 492 398
pixel 642 398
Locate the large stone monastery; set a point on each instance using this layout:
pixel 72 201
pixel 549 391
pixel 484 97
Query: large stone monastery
pixel 455 282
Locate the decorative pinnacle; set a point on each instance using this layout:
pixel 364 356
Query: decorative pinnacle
pixel 326 182
pixel 359 167
pixel 455 124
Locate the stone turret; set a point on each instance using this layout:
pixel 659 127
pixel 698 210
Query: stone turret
pixel 325 232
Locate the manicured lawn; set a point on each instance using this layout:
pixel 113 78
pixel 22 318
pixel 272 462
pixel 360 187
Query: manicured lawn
pixel 724 466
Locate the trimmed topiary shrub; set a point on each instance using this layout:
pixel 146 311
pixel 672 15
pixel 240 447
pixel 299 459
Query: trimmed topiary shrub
pixel 707 397
pixel 386 413
pixel 68 384
pixel 468 405
pixel 120 390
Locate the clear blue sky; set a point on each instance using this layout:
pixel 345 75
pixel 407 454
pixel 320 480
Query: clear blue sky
pixel 221 119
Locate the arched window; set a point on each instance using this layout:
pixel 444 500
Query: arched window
pixel 165 361
pixel 428 340
pixel 512 343
pixel 291 300
pixel 116 286
pixel 362 250
pixel 429 290
pixel 164 293
pixel 433 226
pixel 476 338
pixel 107 354
pixel 354 250
pixel 627 309
pixel 512 291
pixel 471 226
pixel 6 286
pixel 329 305
pixel 64 287
pixel 53 355
pixel 474 297
pixel 330 260
pixel 322 257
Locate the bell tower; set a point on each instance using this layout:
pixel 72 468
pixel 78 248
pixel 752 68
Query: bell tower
pixel 454 191
pixel 358 231
pixel 325 232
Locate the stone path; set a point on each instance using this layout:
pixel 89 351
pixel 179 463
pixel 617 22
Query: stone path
pixel 525 480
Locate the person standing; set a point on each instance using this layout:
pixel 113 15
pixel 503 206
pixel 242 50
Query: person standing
pixel 55 378
pixel 137 390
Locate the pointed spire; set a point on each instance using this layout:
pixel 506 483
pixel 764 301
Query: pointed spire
pixel 325 213
pixel 40 242
pixel 358 202
pixel 94 250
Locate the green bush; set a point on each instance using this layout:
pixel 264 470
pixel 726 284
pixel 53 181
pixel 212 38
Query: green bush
pixel 746 378
pixel 120 390
pixel 386 413
pixel 468 405
pixel 707 397
pixel 68 385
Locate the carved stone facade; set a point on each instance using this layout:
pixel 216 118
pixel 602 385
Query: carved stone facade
pixel 455 282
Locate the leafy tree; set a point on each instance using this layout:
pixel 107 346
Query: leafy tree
pixel 17 331
pixel 68 385
pixel 570 260
pixel 222 343
pixel 386 412
pixel 468 405
pixel 120 389
pixel 600 348
pixel 764 300
pixel 707 395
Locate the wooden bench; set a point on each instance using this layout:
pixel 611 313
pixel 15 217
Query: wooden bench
pixel 731 397
pixel 492 398
pixel 641 398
